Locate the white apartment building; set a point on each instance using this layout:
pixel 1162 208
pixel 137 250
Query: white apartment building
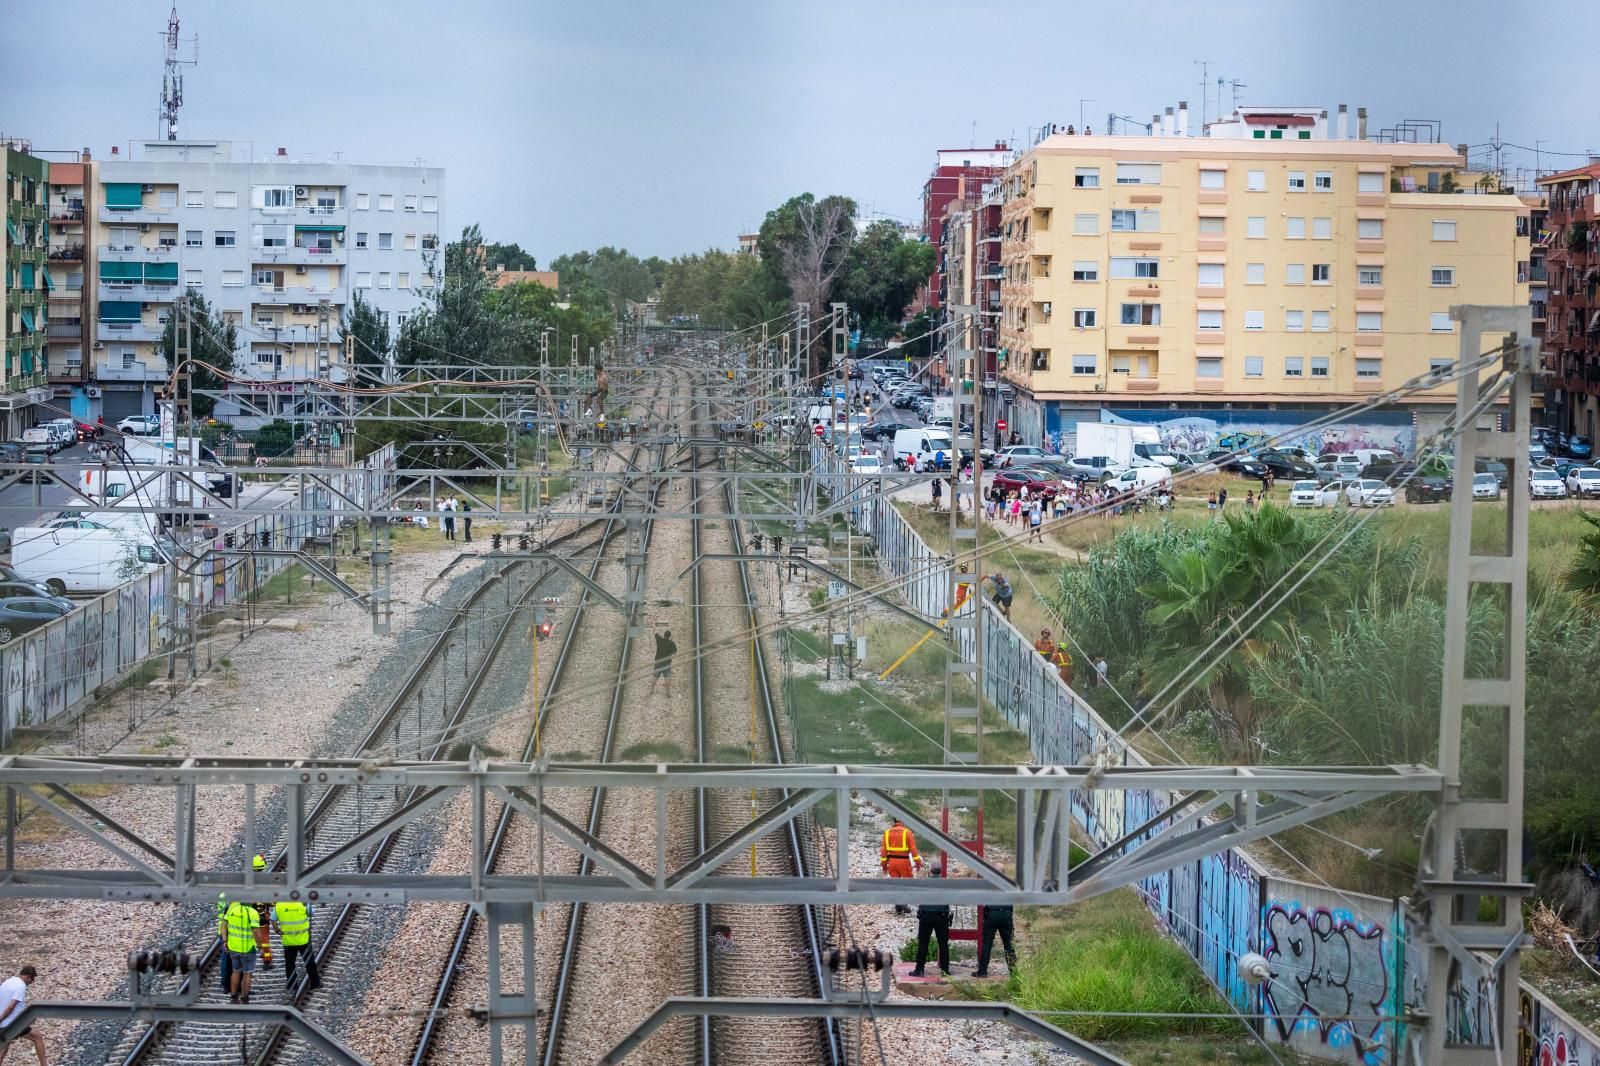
pixel 265 242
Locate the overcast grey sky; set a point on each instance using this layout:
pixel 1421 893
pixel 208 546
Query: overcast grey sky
pixel 671 127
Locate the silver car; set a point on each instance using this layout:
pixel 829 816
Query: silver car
pixel 1369 492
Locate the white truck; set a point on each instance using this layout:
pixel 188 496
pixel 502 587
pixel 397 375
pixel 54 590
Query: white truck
pixel 1123 445
pixel 943 407
pixel 84 555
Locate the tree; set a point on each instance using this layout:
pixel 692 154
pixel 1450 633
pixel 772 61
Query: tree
pixel 370 330
pixel 608 277
pixel 1583 576
pixel 509 257
pixel 212 342
pixel 882 273
pixel 456 322
pixel 530 309
pixel 807 242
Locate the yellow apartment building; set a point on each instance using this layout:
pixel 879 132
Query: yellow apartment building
pixel 1241 283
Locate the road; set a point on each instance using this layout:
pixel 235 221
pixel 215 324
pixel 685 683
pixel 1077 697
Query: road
pixel 24 504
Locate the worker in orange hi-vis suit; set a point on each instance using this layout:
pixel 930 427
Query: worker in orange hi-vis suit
pixel 897 855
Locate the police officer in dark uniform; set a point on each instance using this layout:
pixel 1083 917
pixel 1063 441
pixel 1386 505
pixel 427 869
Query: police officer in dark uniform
pixel 995 920
pixel 933 920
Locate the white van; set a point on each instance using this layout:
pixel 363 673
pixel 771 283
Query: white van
pixel 1367 456
pixel 1142 479
pixel 84 556
pixel 42 435
pixel 914 449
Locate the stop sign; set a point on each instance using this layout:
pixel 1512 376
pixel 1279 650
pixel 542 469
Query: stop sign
pixel 1000 425
pixel 817 429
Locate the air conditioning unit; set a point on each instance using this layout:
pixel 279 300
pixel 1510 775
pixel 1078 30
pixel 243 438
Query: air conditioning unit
pixel 94 393
pixel 144 307
pixel 1047 308
pixel 298 309
pixel 144 227
pixel 97 345
pixel 148 188
pixel 1099 386
pixel 300 192
pixel 299 270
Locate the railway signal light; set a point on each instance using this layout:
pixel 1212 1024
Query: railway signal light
pixel 494 541
pixel 229 540
pixel 541 623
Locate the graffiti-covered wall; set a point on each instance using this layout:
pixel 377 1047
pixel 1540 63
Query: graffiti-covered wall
pixel 1200 430
pixel 1344 970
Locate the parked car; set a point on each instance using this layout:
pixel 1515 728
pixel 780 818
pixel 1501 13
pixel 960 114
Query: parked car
pixel 1492 466
pixel 1197 462
pixel 1546 485
pixel 1092 467
pixel 1284 466
pixel 1020 455
pixel 1243 465
pixel 19 614
pixel 1485 486
pixel 880 430
pixel 1368 492
pixel 1583 481
pixel 866 463
pixel 1142 479
pixel 1036 482
pixel 1312 493
pixel 1338 467
pixel 1428 490
pixel 1578 447
pixel 140 425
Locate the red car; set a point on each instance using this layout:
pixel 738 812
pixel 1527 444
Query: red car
pixel 89 431
pixel 1037 483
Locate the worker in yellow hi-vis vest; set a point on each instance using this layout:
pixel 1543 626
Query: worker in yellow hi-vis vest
pixel 897 855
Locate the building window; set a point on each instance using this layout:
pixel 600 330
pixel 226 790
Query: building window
pixel 167 198
pixel 1121 364
pixel 1443 277
pixel 1256 181
pixel 1084 365
pixel 1213 226
pixel 383 279
pixel 411 243
pixel 385 242
pixel 232 279
pixel 1444 230
pixel 267 278
pixel 1322 181
pixel 1319 366
pixel 410 202
pixel 1296 230
pixel 1436 367
pixel 1041 359
pixel 1256 226
pixel 193 238
pixel 1086 270
pixel 1208 368
pixel 386 201
pixel 1255 320
pixel 1439 322
pixel 194 198
pixel 1371 368
pixel 1138 173
pixel 1294 274
pixel 363 280
pixel 1369 321
pixel 402 280
pixel 1370 277
pixel 1213 179
pixel 194 278
pixel 430 242
pixel 273 197
pixel 1255 273
pixel 1294 366
pixel 1369 182
pixel 224 238
pixel 429 204
pixel 1129 267
pixel 1129 221
pixel 1211 274
pixel 1321 273
pixel 225 198
pixel 1141 314
pixel 272 236
pixel 1320 321
pixel 1297 181
pixel 1294 321
pixel 1322 229
pixel 363 201
pixel 1369 229
pixel 361 238
pixel 1254 366
pixel 1085 318
pixel 1086 225
pixel 1209 320
pixel 1086 178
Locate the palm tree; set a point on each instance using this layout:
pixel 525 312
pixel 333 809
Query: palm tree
pixel 1583 576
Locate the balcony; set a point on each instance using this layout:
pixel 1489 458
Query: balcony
pixel 66 216
pixel 138 370
pixel 299 256
pixel 66 253
pixel 146 292
pixel 127 332
pixel 1539 274
pixel 64 331
pixel 132 215
pixel 128 253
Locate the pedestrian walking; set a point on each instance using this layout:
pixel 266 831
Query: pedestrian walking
pixel 224 971
pixel 239 926
pixel 1222 499
pixel 13 998
pixel 1250 499
pixel 447 521
pixel 996 920
pixel 1036 520
pixel 933 921
pixel 938 491
pixel 1100 671
pixel 466 522
pixel 665 650
pixel 897 856
pixel 292 919
pixel 1013 508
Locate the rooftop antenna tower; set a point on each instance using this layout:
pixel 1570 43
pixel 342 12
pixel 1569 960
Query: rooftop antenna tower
pixel 172 80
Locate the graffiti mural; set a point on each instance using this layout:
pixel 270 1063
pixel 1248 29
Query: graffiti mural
pixel 1332 980
pixel 1230 908
pixel 1200 430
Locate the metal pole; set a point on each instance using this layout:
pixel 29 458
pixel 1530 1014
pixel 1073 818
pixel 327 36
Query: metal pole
pixel 1468 905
